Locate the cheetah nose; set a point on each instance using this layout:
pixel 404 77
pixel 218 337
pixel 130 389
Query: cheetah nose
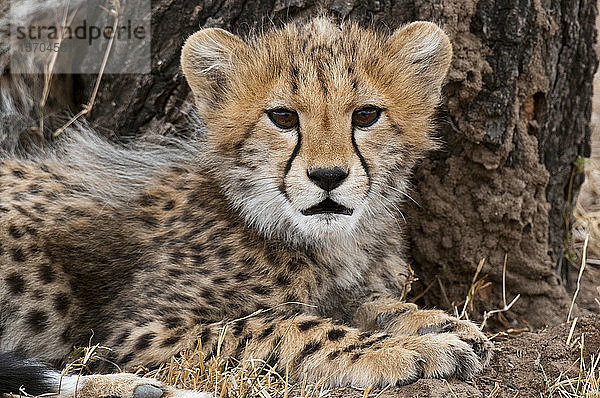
pixel 327 178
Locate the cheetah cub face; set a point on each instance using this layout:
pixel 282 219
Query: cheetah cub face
pixel 313 128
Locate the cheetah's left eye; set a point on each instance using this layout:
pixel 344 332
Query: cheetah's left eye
pixel 365 117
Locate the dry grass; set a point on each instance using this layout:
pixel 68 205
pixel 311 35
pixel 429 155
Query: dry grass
pixel 66 20
pixel 587 209
pixel 237 379
pixel 585 253
pixel 586 383
pixel 586 241
pixel 223 377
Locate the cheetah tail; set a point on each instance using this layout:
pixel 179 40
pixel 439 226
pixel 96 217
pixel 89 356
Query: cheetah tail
pixel 18 374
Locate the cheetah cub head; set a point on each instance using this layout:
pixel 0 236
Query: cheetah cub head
pixel 313 128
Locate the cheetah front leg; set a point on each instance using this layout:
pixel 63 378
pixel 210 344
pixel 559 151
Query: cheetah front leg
pixel 321 350
pixel 396 317
pixel 340 355
pixel 348 356
pixel 318 348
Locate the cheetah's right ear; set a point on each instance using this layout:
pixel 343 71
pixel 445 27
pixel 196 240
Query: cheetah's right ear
pixel 208 57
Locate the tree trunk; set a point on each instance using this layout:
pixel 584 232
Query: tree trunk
pixel 514 120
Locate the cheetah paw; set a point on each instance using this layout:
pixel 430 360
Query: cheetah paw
pixel 407 319
pixel 402 360
pixel 468 332
pixel 447 355
pixel 122 385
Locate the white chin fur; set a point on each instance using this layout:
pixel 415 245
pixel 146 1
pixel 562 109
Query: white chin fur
pixel 266 209
pixel 272 215
pixel 327 226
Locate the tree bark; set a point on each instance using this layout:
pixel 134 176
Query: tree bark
pixel 515 117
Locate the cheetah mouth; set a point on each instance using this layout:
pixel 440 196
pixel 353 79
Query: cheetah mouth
pixel 327 206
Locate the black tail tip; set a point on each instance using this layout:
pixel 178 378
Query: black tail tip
pixel 19 374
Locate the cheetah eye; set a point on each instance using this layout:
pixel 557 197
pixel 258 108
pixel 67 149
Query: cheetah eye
pixel 365 117
pixel 283 118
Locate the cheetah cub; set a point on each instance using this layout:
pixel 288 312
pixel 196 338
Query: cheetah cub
pixel 285 207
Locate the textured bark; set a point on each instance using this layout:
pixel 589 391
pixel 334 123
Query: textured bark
pixel 514 119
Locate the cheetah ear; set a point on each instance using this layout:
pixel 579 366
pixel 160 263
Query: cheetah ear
pixel 425 50
pixel 208 58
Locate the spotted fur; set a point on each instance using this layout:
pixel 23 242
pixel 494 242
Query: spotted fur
pixel 145 249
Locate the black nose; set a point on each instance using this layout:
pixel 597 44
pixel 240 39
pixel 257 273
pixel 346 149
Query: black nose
pixel 328 179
